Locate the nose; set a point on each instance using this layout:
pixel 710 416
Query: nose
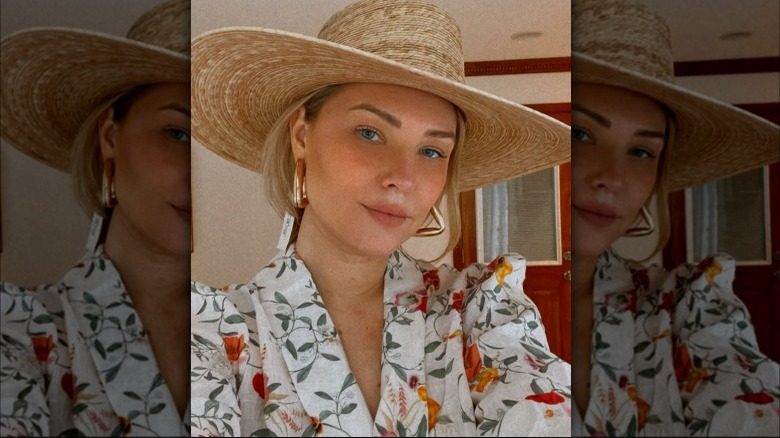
pixel 399 172
pixel 608 172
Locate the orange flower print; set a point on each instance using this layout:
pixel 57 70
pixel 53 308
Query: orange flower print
pixel 260 385
pixel 433 406
pixel 501 268
pixel 486 377
pixel 695 376
pixel 42 346
pixel 712 271
pixel 316 424
pixel 124 425
pixel 68 385
pixel 472 361
pixel 682 362
pixel 233 346
pixel 642 407
pixel 550 398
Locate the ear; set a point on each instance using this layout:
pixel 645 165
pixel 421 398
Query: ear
pixel 107 129
pixel 298 130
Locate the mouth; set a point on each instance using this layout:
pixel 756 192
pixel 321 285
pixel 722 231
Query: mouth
pixel 387 215
pixel 597 216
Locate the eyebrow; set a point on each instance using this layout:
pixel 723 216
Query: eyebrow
pixel 602 120
pixel 394 121
pixel 176 107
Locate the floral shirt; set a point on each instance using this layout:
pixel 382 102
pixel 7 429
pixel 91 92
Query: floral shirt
pixel 692 366
pixel 464 353
pixel 76 360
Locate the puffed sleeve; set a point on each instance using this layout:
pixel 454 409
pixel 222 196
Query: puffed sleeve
pixel 220 344
pixel 518 386
pixel 28 335
pixel 727 385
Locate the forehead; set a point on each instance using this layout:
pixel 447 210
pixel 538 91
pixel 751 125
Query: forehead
pixel 408 104
pixel 619 103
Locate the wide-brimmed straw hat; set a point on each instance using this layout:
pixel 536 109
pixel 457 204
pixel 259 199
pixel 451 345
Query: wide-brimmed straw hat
pixel 53 78
pixel 244 78
pixel 624 44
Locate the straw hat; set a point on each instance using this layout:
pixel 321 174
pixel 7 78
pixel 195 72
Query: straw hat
pixel 244 78
pixel 623 44
pixel 53 78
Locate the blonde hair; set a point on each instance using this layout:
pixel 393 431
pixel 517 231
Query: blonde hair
pixel 660 190
pixel 279 163
pixel 86 163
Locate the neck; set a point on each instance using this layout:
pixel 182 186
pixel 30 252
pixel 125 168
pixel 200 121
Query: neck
pixel 344 277
pixel 157 282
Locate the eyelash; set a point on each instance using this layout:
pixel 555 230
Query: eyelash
pixel 363 129
pixel 171 130
pixel 648 153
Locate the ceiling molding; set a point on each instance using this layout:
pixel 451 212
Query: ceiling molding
pixel 518 66
pixel 727 66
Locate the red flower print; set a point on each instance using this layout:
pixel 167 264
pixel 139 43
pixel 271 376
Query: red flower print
pixel 233 346
pixel 414 381
pixel 42 346
pixel 667 301
pixel 68 385
pixel 550 398
pixel 472 361
pixel 431 279
pixel 623 381
pixel 125 425
pixel 641 280
pixel 413 300
pixel 759 398
pixel 260 384
pixel 457 301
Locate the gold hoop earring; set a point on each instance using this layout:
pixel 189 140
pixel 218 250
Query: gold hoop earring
pixel 108 192
pixel 433 231
pixel 642 231
pixel 299 193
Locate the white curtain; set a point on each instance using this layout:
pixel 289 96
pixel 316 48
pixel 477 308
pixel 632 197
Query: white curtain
pixel 705 220
pixel 495 200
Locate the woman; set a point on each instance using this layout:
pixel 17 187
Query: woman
pixel 690 364
pixel 104 350
pixel 343 333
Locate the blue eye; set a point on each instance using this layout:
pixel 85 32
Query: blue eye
pixel 369 134
pixel 579 135
pixel 431 153
pixel 641 153
pixel 177 134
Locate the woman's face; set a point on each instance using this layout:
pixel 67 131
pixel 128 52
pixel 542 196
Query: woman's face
pixel 617 139
pixel 376 162
pixel 150 147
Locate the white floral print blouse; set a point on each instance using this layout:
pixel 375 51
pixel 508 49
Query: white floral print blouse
pixel 76 360
pixel 675 354
pixel 464 354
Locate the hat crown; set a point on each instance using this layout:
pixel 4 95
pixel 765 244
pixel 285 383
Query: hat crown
pixel 625 34
pixel 166 25
pixel 415 33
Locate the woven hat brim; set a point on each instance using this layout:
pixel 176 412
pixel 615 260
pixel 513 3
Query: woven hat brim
pixel 713 139
pixel 244 78
pixel 53 78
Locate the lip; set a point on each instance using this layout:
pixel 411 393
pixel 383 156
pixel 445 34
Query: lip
pixel 596 215
pixel 387 214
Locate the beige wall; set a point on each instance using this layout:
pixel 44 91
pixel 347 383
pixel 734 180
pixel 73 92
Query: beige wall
pixel 43 229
